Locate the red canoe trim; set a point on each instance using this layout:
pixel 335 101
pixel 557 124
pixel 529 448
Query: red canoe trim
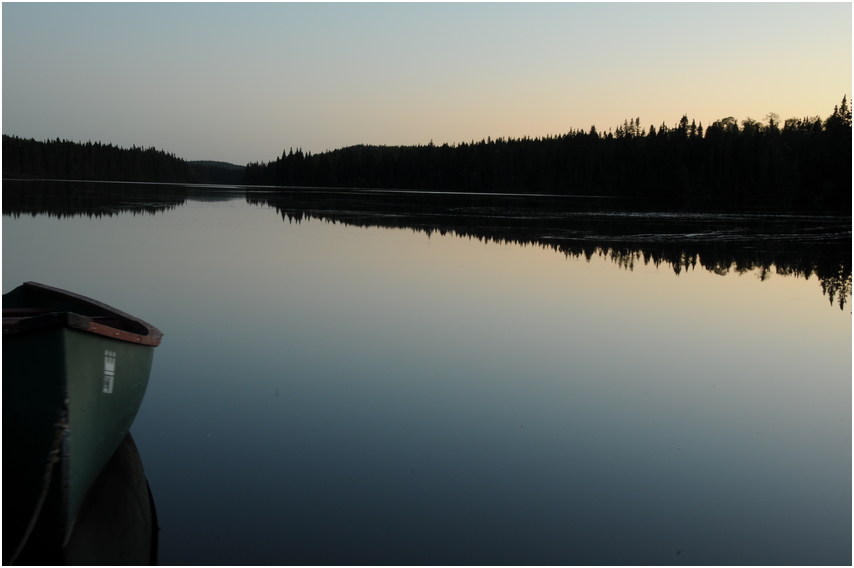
pixel 101 329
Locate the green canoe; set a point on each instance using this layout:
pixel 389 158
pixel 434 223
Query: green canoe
pixel 74 374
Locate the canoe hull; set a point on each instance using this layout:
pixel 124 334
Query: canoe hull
pixel 92 386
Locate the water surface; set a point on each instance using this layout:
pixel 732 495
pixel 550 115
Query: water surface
pixel 335 387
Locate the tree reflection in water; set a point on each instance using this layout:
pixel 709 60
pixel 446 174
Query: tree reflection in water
pixel 629 232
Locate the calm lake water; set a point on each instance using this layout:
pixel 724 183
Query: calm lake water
pixel 339 385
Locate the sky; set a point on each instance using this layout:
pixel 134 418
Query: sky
pixel 244 82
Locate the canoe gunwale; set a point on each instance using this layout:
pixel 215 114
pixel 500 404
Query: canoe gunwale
pixel 109 322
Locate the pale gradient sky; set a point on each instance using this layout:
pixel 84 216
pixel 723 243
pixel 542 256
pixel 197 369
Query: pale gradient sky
pixel 242 82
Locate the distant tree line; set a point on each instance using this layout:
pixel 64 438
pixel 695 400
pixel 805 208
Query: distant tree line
pixel 802 162
pixel 221 173
pixel 64 159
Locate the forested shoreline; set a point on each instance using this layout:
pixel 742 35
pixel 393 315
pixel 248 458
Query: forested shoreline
pixel 94 161
pixel 799 163
pixel 64 159
pixel 802 163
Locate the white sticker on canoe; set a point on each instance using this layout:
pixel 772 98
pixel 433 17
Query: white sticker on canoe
pixel 109 370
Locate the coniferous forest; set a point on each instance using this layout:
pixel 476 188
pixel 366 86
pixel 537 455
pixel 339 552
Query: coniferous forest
pixel 64 159
pixel 799 163
pixel 93 161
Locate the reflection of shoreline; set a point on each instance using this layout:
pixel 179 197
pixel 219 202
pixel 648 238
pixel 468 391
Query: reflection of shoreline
pixel 794 245
pixel 627 231
pixel 92 199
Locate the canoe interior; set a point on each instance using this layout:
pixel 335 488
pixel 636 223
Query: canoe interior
pixel 33 305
